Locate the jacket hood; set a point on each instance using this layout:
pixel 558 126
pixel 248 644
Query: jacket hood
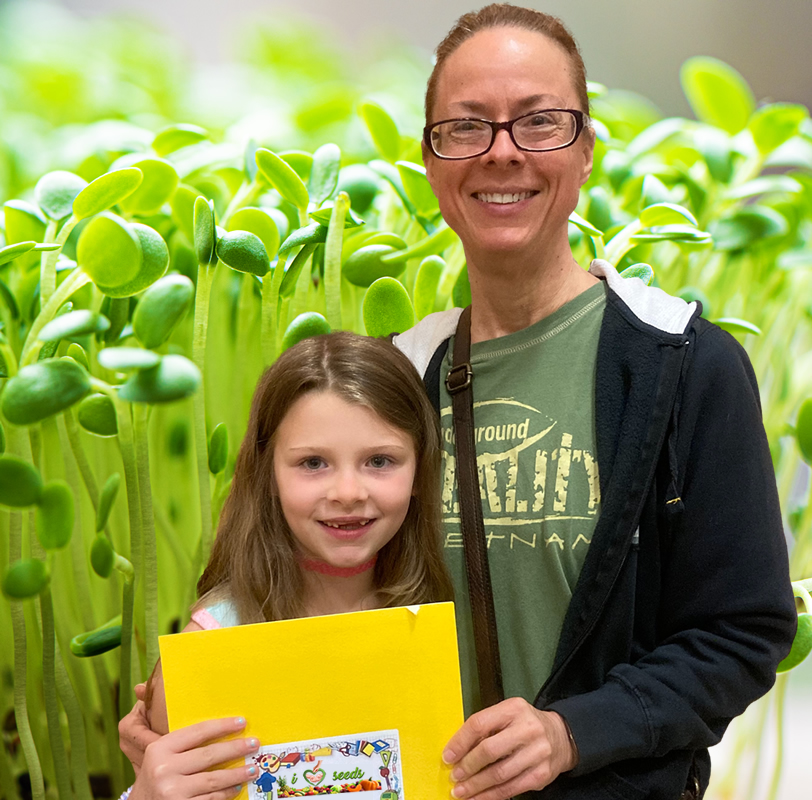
pixel 652 306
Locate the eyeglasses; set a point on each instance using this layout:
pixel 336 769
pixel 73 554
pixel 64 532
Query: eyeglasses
pixel 536 132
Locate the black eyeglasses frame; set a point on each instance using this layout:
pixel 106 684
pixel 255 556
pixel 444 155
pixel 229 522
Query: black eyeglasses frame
pixel 581 121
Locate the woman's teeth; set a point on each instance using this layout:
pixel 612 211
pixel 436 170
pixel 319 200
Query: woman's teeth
pixel 503 199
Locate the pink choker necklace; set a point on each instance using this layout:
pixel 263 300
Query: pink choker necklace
pixel 323 568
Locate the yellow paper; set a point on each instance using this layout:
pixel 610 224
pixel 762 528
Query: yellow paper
pixel 321 677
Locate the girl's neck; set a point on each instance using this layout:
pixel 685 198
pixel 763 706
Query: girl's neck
pixel 329 591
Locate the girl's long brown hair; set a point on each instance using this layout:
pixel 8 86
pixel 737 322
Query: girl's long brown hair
pixel 253 562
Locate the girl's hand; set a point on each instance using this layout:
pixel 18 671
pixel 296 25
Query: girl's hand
pixel 508 749
pixel 175 767
pixel 134 732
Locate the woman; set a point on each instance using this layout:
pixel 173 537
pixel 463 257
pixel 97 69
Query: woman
pixel 635 545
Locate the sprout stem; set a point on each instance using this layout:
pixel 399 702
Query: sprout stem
pixel 205 277
pixel 141 418
pixel 780 702
pixel 270 309
pixel 332 261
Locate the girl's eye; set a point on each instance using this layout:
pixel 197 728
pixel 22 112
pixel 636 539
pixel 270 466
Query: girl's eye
pixel 313 463
pixel 379 462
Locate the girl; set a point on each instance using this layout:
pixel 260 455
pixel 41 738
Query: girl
pixel 334 507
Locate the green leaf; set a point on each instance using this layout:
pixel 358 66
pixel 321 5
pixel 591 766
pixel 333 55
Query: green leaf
pixel 432 245
pixel 803 430
pixel 316 233
pixel 283 178
pixel 10 301
pixel 243 252
pixel 300 160
pixel 260 223
pixel 322 216
pixel 324 173
pixel 387 308
pixel 584 226
pixel 2 439
pixel 361 184
pixel 56 191
pixel 765 184
pixel 78 354
pixel 157 187
pixel 55 515
pixel 176 136
pixel 748 226
pixel 154 263
pixel 304 326
pixel 642 271
pixel 12 251
pixel 106 191
pixel 182 204
pixel 173 379
pixel 218 448
pixel 101 640
pixel 426 283
pixel 718 94
pixel 106 500
pixel 291 276
pixel 97 415
pixel 774 124
pixel 20 482
pixel 801 644
pixel 417 187
pixel 25 579
pixel 23 222
pixel 75 323
pixel 102 556
pixel 161 308
pixel 365 265
pixel 205 232
pixel 734 325
pixel 41 390
pixel 666 214
pixel 382 129
pixel 124 359
pixel 109 251
pixel 461 293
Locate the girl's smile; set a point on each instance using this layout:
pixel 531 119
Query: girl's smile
pixel 344 478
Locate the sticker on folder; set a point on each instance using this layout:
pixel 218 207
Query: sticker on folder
pixel 366 764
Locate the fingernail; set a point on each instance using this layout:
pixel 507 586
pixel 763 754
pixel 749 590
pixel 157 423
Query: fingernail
pixel 449 756
pixel 457 775
pixel 252 744
pixel 458 791
pixel 252 770
pixel 240 722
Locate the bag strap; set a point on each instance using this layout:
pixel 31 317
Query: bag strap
pixel 458 383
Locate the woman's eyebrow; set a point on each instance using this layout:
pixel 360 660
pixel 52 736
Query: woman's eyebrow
pixel 529 103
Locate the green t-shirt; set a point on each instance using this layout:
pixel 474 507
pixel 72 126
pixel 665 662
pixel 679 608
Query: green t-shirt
pixel 534 420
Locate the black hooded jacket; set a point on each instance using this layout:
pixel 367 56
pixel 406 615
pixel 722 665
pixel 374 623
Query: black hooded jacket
pixel 683 607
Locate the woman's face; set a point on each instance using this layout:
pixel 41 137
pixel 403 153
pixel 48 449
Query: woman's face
pixel 499 74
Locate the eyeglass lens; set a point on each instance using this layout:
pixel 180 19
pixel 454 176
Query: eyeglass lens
pixel 545 130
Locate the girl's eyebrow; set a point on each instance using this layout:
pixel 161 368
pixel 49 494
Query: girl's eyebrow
pixel 533 101
pixel 373 448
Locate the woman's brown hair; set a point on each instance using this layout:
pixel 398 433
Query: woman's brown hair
pixel 253 562
pixel 505 15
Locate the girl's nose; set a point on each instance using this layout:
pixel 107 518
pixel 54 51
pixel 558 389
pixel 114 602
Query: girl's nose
pixel 347 488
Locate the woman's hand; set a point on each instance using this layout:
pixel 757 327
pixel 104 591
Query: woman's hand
pixel 134 732
pixel 508 749
pixel 176 766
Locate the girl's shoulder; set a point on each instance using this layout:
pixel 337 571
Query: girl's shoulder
pixel 220 614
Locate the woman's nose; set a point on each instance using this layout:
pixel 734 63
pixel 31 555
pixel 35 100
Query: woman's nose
pixel 503 150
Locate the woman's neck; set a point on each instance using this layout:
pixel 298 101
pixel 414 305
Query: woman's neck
pixel 511 292
pixel 338 594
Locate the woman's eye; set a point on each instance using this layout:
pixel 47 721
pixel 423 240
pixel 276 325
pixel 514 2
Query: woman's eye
pixel 379 462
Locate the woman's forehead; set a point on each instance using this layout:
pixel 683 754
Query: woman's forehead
pixel 505 63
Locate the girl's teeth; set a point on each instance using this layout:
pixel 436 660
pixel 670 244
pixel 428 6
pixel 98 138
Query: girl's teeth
pixel 503 198
pixel 347 525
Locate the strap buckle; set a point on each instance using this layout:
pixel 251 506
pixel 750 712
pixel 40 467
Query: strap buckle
pixel 459 378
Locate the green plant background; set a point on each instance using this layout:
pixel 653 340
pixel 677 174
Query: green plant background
pixel 165 233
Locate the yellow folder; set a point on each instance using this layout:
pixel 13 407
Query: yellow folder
pixel 331 676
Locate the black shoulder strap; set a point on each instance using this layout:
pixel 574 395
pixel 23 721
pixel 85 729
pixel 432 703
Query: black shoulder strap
pixel 458 383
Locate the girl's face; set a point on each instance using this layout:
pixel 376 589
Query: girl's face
pixel 344 478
